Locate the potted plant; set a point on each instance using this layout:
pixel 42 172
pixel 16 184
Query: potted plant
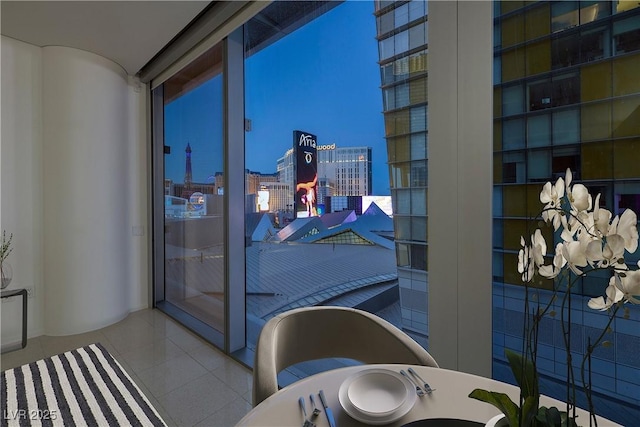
pixel 591 241
pixel 5 268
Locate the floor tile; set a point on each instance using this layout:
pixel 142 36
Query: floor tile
pixel 228 415
pixel 198 399
pixel 130 335
pixel 159 351
pixel 209 357
pixel 186 379
pixel 186 340
pixel 52 345
pixel 31 353
pixel 236 376
pixel 172 374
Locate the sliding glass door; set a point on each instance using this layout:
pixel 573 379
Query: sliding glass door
pixel 194 191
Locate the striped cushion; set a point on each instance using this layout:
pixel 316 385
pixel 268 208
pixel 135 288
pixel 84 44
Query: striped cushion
pixel 82 387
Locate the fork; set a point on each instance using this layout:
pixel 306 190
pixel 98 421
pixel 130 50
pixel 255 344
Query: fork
pixel 307 422
pixel 419 391
pixel 316 411
pixel 426 385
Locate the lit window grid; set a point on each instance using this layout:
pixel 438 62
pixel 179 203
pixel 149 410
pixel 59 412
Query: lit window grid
pixel 404 103
pixel 552 111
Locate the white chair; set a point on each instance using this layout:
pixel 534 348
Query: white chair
pixel 312 333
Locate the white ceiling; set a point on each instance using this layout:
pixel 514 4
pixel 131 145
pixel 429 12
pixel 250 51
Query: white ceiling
pixel 129 33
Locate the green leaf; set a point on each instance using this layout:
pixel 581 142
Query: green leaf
pixel 524 373
pixel 549 416
pixel 500 401
pixel 552 417
pixel 529 410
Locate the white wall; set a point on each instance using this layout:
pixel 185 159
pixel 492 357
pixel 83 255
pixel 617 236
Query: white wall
pixel 138 182
pixel 21 181
pixel 74 187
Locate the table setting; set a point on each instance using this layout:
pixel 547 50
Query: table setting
pixel 382 394
pixel 372 396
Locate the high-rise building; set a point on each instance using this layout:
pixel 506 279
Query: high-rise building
pixel 347 170
pixel 566 95
pixel 279 196
pixel 285 170
pixel 402 42
pixel 342 171
pixel 255 180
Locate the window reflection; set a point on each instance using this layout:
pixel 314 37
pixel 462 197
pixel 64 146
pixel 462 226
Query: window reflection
pixel 565 90
pixel 564 14
pixel 565 51
pixel 594 45
pixel 626 35
pixel 194 190
pixel 576 64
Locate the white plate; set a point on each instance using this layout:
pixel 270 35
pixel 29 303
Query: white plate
pixel 377 396
pixel 377 393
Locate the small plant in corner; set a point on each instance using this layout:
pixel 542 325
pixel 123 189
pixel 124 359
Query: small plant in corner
pixel 5 250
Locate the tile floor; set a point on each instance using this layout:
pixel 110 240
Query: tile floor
pixel 189 382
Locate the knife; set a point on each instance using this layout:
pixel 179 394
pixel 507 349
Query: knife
pixel 327 410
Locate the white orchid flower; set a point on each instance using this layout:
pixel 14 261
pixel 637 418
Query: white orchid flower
pixel 574 253
pixel 552 270
pixel 579 198
pixel 627 228
pixel 578 227
pixel 613 295
pixel 607 254
pixel 629 285
pixel 538 247
pixel 601 218
pixel 551 196
pixel 525 261
pixel 569 228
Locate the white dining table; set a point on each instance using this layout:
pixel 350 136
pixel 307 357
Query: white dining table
pixel 449 400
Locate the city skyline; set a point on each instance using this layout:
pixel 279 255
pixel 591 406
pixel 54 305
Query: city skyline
pixel 326 90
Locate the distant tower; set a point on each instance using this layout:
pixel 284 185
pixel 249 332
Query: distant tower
pixel 188 177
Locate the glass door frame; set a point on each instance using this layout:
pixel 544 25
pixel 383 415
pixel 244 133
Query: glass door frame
pixel 234 336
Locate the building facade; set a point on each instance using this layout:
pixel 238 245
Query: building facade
pixel 255 180
pixel 342 171
pixel 566 95
pixel 286 172
pixel 347 170
pixel 403 52
pixel 279 196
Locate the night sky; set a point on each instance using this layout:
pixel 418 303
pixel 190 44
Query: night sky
pixel 323 79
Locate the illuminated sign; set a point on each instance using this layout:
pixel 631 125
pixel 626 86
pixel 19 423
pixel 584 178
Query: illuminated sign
pixel 197 200
pixel 263 200
pixel 326 147
pixel 305 140
pixel 306 174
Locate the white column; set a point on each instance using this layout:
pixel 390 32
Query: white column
pixel 460 182
pixel 85 191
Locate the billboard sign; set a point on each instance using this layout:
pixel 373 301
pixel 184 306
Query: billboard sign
pixel 263 200
pixel 306 174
